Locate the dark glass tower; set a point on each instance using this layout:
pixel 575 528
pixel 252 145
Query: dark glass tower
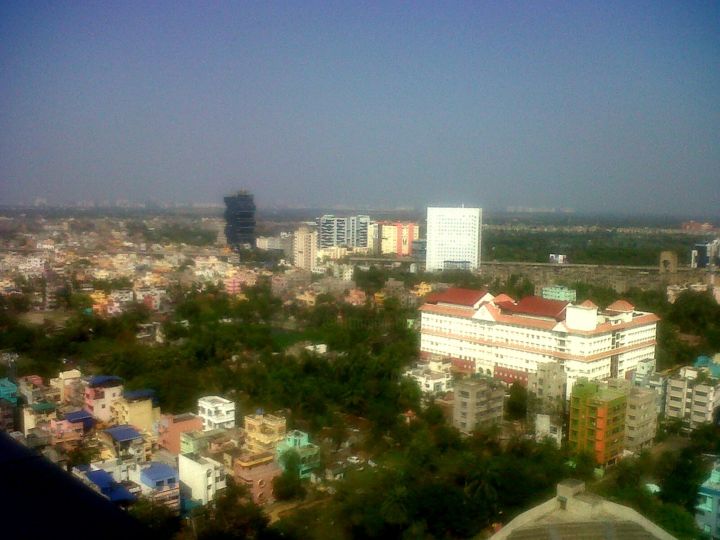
pixel 240 219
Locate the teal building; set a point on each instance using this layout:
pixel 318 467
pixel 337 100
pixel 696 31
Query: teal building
pixel 300 442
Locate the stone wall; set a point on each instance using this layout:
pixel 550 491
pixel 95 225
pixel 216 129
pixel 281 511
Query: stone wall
pixel 620 278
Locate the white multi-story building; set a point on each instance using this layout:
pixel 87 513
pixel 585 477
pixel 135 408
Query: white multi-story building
pixel 692 396
pixel 349 231
pixel 201 478
pixel 453 238
pixel 509 339
pixel 433 377
pixel 216 412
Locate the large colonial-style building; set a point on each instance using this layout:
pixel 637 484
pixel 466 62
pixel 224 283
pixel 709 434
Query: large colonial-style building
pixel 508 339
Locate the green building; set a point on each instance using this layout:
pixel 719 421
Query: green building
pixel 597 421
pixel 558 292
pixel 300 442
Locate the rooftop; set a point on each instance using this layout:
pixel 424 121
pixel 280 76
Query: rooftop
pixel 104 381
pixel 123 433
pixel 137 395
pixel 537 307
pixel 156 472
pixel 457 296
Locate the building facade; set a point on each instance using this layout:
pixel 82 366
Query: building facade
pixel 454 237
pixel 597 421
pixel 477 402
pixel 350 231
pixel 240 220
pixel 558 292
pixel 509 340
pixel 398 237
pixel 201 478
pixel 308 453
pixel 172 426
pixel 692 397
pixel 216 412
pixel 305 242
pixel 264 432
pixel 707 511
pixel 257 471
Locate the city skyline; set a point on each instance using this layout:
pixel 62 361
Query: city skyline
pixel 600 108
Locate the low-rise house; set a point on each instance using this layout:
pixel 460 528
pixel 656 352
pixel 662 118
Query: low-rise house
pixel 257 471
pixel 101 393
pixel 216 412
pixel 171 427
pixel 125 443
pixel 9 391
pixel 138 408
pixel 432 378
pixel 120 493
pixel 201 478
pixel 69 386
pixel 707 510
pixel 159 483
pixel 264 432
pixel 198 441
pixel 309 453
pixel 37 416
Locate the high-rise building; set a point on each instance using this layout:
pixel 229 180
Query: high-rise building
pixel 597 421
pixel 397 237
pixel 305 247
pixel 453 238
pixel 351 231
pixel 240 219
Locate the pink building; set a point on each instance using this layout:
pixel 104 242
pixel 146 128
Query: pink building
pixel 173 426
pixel 257 472
pixel 66 432
pixel 101 393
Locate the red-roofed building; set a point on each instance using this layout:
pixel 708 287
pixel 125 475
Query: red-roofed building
pixel 620 306
pixel 535 306
pixel 508 339
pixel 457 296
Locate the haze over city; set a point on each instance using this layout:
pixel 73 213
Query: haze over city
pixel 595 106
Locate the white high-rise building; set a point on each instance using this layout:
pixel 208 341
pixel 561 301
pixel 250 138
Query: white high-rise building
pixel 453 238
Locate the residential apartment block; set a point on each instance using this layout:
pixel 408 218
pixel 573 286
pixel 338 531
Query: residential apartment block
pixel 692 396
pixel 597 421
pixel 477 402
pixel 257 471
pixel 397 237
pixel 707 511
pixel 201 478
pixel 351 231
pixel 264 432
pixel 454 238
pixel 216 412
pixel 171 427
pixel 509 339
pixel 305 241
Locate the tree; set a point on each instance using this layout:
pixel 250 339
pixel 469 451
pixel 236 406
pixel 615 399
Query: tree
pixel 517 402
pixel 158 518
pixel 288 485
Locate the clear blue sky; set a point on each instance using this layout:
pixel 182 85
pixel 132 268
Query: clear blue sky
pixel 599 106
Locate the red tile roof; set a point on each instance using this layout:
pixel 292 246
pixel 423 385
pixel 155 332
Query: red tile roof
pixel 502 297
pixel 536 306
pixel 621 306
pixel 588 303
pixel 457 296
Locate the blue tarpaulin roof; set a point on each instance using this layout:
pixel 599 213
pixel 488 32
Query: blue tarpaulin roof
pixel 78 416
pixel 123 433
pixel 104 380
pixel 115 491
pixel 144 393
pixel 156 472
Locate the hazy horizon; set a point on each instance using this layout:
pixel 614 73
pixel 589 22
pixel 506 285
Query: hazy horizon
pixel 599 107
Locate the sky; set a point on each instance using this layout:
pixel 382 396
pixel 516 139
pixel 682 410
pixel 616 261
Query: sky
pixel 597 106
